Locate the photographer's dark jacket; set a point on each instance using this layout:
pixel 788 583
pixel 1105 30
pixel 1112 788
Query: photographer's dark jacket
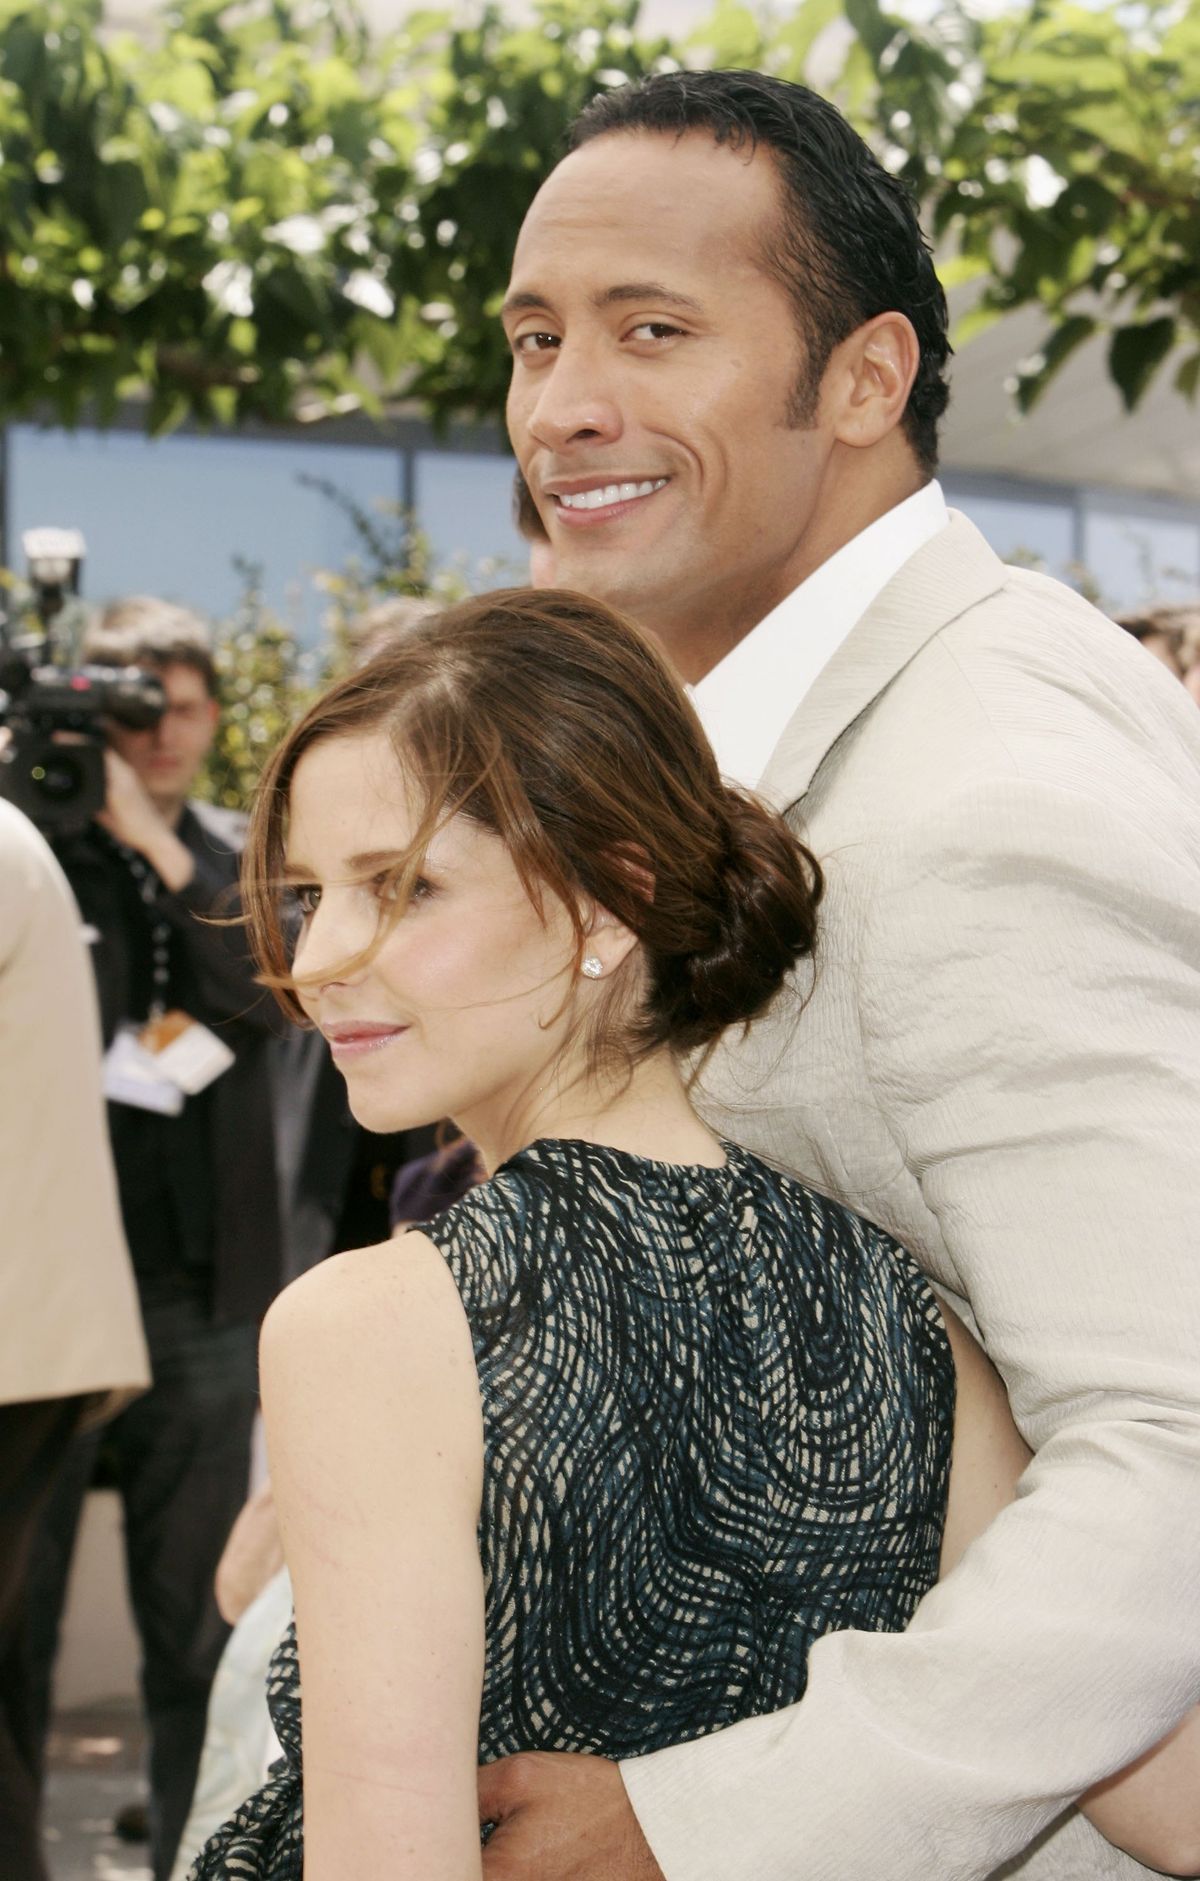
pixel 199 1193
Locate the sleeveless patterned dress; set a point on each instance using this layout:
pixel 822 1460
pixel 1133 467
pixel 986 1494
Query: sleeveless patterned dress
pixel 717 1422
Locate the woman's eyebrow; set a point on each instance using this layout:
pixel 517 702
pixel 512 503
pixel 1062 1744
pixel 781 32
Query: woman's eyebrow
pixel 369 859
pixel 295 870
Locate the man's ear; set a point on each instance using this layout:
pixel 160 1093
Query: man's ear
pixel 870 376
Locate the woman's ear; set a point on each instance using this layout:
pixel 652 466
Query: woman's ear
pixel 606 940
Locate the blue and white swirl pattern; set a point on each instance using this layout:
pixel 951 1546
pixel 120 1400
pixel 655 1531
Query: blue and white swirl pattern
pixel 717 1424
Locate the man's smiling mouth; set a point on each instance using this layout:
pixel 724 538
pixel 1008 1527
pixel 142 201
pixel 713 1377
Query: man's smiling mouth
pixel 607 495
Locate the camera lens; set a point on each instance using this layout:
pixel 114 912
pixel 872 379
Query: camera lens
pixel 58 779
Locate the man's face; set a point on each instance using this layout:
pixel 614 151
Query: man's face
pixel 654 364
pixel 168 757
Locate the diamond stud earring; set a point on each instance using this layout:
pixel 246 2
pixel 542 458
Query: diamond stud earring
pixel 593 966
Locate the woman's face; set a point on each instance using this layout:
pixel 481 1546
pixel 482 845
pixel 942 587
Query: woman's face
pixel 460 1012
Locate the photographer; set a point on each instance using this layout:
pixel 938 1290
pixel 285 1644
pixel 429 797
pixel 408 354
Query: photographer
pixel 195 1162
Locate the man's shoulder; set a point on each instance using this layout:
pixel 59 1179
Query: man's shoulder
pixel 22 844
pixel 39 916
pixel 30 878
pixel 957 592
pixel 1026 696
pixel 30 869
pixel 218 826
pixel 1031 677
pixel 1030 612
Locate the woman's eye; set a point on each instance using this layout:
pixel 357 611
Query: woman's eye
pixel 386 888
pixel 306 896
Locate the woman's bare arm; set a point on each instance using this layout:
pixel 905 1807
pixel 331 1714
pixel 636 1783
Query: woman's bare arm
pixel 375 1439
pixel 1152 1809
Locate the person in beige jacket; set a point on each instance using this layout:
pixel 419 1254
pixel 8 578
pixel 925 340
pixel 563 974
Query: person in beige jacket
pixel 71 1345
pixel 728 367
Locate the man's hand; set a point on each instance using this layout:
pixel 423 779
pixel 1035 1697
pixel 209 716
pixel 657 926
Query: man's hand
pixel 131 815
pixel 561 1818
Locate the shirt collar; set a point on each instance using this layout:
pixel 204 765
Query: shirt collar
pixel 748 698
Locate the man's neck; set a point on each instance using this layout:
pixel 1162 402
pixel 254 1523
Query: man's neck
pixel 170 809
pixel 843 514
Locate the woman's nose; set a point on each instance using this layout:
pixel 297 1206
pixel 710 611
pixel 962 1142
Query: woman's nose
pixel 329 949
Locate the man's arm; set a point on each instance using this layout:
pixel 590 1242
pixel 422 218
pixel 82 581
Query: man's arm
pixel 206 912
pixel 199 898
pixel 1029 1004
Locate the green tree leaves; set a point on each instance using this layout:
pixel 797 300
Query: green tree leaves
pixel 241 218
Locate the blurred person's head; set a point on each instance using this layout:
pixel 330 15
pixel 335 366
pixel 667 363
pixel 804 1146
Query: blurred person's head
pixel 729 347
pixel 1185 619
pixel 517 868
pixel 1160 633
pixel 176 645
pixel 387 621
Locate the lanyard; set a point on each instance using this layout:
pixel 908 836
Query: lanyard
pixel 149 888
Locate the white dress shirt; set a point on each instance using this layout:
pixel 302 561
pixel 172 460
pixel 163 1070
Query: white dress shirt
pixel 749 697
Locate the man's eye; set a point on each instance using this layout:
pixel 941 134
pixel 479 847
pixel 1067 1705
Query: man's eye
pixel 654 330
pixel 535 342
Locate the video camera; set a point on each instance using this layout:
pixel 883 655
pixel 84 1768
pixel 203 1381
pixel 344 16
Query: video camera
pixel 59 781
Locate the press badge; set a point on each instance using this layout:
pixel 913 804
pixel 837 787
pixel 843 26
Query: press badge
pixel 157 1065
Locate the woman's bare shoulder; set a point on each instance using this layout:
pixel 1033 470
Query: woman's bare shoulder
pixel 368 1290
pixel 368 1338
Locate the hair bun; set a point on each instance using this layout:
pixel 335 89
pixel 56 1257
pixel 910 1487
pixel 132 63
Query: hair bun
pixel 765 906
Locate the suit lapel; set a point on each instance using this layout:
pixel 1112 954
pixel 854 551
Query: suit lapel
pixel 951 573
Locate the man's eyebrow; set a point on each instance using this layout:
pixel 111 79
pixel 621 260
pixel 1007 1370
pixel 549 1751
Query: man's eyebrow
pixel 646 290
pixel 525 303
pixel 533 302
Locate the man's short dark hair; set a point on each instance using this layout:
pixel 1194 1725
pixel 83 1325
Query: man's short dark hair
pixel 144 631
pixel 849 245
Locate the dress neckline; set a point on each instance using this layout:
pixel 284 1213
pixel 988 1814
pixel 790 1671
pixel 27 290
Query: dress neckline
pixel 580 1148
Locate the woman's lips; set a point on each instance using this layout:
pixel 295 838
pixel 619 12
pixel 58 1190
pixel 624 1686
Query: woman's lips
pixel 347 1042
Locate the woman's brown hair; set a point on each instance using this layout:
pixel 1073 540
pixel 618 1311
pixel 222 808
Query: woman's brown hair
pixel 552 723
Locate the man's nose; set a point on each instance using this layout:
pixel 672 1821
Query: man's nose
pixel 577 401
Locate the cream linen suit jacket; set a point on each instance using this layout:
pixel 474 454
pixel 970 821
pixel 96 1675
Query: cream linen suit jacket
pixel 998 1060
pixel 69 1318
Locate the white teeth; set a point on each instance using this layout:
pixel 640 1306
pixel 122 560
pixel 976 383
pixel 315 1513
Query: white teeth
pixel 611 493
